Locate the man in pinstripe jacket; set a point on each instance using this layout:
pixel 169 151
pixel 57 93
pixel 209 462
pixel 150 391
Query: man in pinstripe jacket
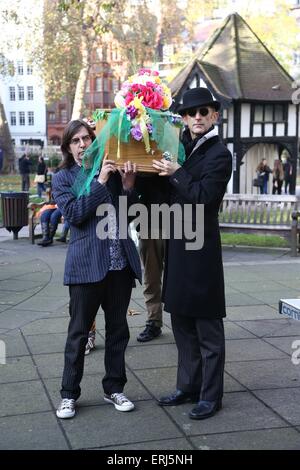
pixel 99 272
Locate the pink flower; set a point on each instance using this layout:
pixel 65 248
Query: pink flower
pixel 144 72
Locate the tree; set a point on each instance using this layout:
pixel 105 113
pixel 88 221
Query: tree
pixel 5 142
pixel 275 27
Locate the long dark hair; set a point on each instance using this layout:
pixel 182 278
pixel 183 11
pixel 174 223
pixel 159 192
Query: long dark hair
pixel 70 130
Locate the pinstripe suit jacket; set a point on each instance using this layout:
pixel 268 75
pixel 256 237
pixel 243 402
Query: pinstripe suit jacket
pixel 88 258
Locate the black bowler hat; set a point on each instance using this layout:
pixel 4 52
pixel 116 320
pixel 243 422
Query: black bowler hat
pixel 197 97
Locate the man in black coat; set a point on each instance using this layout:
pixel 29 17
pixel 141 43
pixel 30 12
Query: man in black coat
pixel 24 168
pixel 193 289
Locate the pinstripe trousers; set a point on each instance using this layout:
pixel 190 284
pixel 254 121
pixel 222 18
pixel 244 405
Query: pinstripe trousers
pixel 113 294
pixel 201 355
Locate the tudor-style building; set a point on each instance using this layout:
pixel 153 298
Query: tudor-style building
pixel 258 117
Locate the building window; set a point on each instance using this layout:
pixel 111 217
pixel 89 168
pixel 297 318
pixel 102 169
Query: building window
pixel 99 84
pixel 30 118
pixel 11 68
pixel 12 93
pixel 269 113
pixel 29 69
pixel 105 84
pixel 51 116
pixel 20 67
pixel 258 113
pixel 22 118
pixel 13 118
pixel 21 93
pixel 30 93
pixel 87 86
pixel 63 115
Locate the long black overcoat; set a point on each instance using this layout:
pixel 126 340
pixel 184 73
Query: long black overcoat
pixel 193 280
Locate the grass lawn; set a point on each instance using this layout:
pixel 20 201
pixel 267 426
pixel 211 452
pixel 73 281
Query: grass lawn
pixel 252 239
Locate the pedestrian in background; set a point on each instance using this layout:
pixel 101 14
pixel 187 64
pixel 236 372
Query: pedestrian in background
pixel 24 169
pixel 41 176
pixel 288 171
pixel 278 176
pixel 263 171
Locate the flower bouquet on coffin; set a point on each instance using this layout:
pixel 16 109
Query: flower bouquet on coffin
pixel 140 128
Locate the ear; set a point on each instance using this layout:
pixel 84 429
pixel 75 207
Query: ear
pixel 216 116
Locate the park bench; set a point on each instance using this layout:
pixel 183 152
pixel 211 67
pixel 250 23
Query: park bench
pixel 261 213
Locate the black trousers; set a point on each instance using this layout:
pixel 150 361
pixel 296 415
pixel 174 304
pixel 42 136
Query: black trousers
pixel 201 356
pixel 113 294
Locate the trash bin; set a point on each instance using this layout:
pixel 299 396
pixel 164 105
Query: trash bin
pixel 14 211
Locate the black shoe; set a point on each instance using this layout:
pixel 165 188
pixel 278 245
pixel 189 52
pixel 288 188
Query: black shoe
pixel 150 332
pixel 178 398
pixel 205 409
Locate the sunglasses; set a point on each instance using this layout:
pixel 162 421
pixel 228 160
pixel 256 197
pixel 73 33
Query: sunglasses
pixel 86 138
pixel 193 111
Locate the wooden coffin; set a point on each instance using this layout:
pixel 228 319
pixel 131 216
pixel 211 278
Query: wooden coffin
pixel 133 150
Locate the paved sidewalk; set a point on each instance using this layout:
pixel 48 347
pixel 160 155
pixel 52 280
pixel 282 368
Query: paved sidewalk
pixel 262 385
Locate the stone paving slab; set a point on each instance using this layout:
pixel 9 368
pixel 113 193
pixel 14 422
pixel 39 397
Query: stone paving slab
pixel 14 344
pixel 250 350
pixel 16 298
pixel 255 375
pixel 18 369
pixel 47 325
pixel 19 285
pixel 241 299
pixel 241 412
pixel 40 304
pixel 159 355
pixel 252 287
pixel 234 331
pixel 266 439
pixel 39 431
pixel 269 297
pixel 16 318
pixel 284 401
pixel 23 397
pixel 51 365
pixel 46 343
pixel 162 381
pixel 236 274
pixel 290 283
pixel 252 312
pixel 272 328
pixel 103 426
pixel 284 344
pixel 163 444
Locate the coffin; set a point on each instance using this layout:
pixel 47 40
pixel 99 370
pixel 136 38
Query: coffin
pixel 133 150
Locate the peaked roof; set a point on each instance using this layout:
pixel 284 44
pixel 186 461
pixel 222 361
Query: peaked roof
pixel 237 65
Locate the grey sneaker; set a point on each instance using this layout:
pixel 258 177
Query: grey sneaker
pixel 90 343
pixel 120 401
pixel 66 408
